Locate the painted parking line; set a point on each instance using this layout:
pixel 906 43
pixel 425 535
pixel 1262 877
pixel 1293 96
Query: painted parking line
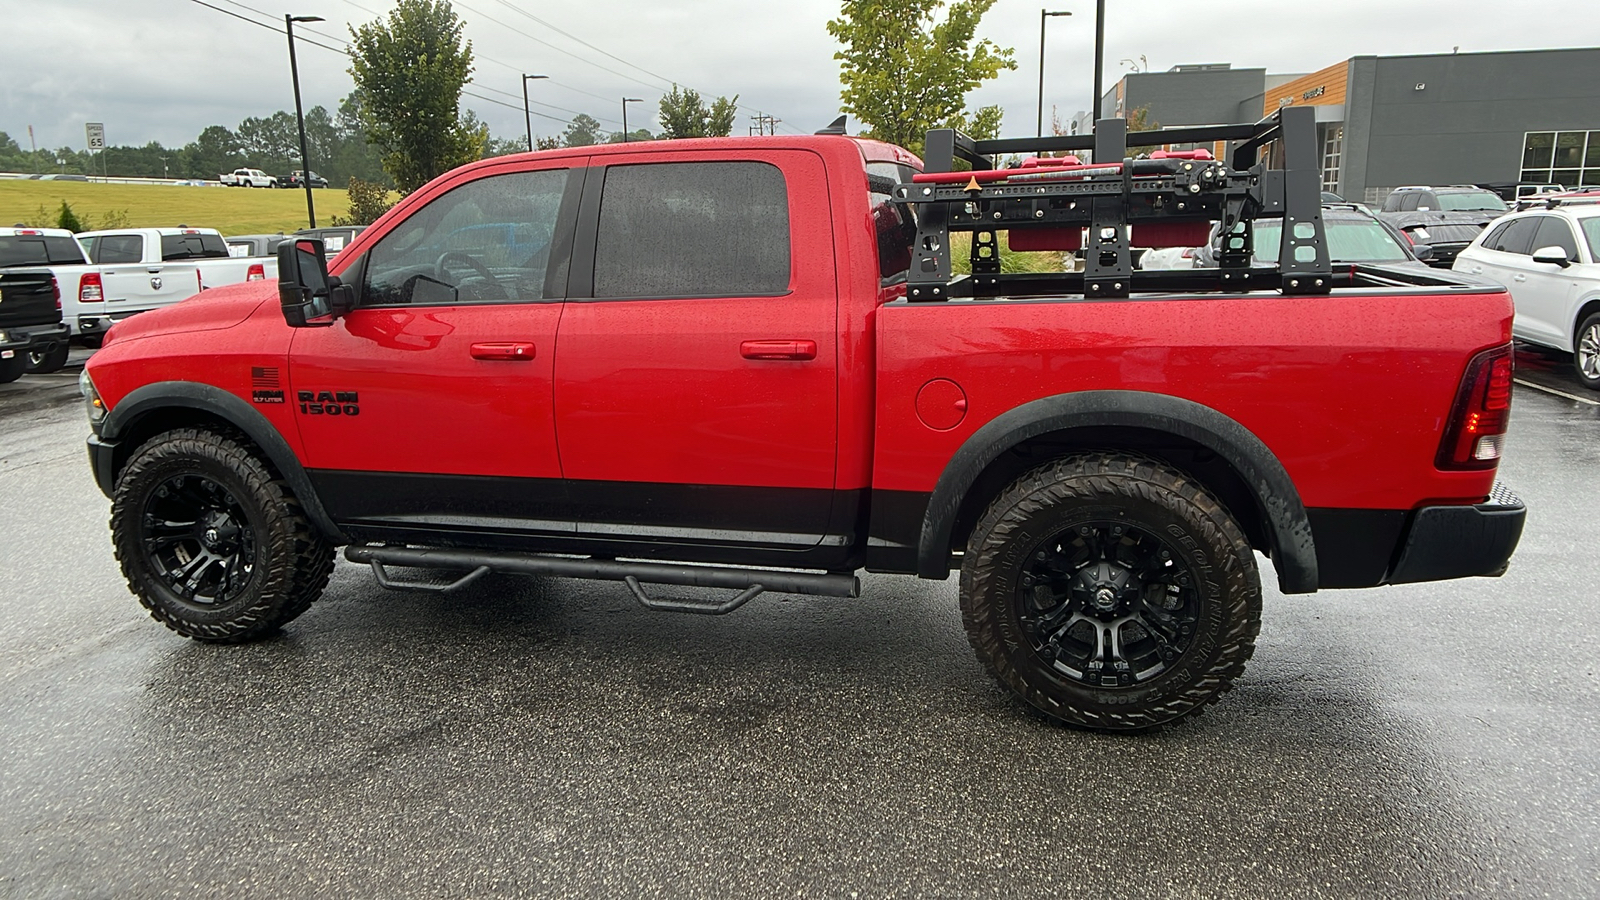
pixel 1547 390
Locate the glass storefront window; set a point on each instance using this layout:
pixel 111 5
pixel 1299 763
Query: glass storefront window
pixel 1567 158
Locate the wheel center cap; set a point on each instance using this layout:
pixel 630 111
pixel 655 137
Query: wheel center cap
pixel 211 535
pixel 1105 599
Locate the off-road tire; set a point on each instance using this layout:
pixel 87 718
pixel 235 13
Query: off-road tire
pixel 43 362
pixel 1028 519
pixel 289 566
pixel 1586 352
pixel 12 369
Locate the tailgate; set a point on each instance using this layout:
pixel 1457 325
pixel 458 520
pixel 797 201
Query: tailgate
pixel 28 297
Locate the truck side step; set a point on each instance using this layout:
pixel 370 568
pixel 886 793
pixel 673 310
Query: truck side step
pixel 749 582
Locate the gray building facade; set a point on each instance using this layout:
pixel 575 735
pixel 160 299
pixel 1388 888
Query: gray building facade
pixel 1385 121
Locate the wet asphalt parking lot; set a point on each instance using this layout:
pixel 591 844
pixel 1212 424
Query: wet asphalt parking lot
pixel 543 736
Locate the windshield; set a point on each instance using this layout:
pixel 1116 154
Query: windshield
pixel 1348 241
pixel 1472 200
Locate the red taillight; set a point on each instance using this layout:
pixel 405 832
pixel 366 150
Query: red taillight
pixel 1409 239
pixel 1475 435
pixel 258 272
pixel 55 288
pixel 89 290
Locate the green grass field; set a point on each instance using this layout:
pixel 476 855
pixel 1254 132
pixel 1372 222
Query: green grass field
pixel 229 210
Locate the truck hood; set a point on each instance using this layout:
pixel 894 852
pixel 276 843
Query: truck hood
pixel 209 310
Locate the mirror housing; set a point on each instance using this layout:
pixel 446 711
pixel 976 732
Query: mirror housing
pixel 309 296
pixel 1423 252
pixel 1552 255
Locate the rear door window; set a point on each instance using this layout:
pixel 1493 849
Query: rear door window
pixel 1518 236
pixel 696 229
pixel 894 224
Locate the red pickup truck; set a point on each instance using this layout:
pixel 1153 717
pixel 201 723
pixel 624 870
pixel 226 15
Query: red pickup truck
pixel 746 363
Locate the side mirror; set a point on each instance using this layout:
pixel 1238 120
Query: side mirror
pixel 309 296
pixel 1552 255
pixel 1423 252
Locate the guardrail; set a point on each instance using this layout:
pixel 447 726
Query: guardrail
pixel 100 179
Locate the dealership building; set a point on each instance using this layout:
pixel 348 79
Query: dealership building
pixel 1385 121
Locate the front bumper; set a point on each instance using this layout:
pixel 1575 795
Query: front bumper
pixel 1461 541
pixel 26 337
pixel 102 460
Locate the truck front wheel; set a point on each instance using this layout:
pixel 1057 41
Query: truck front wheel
pixel 1111 592
pixel 211 542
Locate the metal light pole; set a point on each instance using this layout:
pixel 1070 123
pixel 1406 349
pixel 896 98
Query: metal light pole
pixel 625 102
pixel 527 116
pixel 1043 14
pixel 1099 56
pixel 299 115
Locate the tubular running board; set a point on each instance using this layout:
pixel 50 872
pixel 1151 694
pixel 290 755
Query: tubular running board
pixel 749 582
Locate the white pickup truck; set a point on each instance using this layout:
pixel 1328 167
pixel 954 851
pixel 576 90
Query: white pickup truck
pixel 248 178
pixel 136 269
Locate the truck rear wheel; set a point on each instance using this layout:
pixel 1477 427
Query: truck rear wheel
pixel 12 369
pixel 211 543
pixel 1111 592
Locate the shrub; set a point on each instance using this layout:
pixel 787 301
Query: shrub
pixel 68 219
pixel 368 201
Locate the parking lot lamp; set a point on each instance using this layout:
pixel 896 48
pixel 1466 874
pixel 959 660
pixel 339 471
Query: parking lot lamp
pixel 625 102
pixel 299 114
pixel 1043 14
pixel 527 117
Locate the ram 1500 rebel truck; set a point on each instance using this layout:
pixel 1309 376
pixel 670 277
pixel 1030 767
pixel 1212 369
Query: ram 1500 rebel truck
pixel 747 364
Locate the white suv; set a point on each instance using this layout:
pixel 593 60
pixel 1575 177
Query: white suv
pixel 1548 256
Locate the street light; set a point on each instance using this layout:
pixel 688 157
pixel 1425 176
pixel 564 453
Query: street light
pixel 526 115
pixel 299 115
pixel 625 102
pixel 1099 57
pixel 1043 14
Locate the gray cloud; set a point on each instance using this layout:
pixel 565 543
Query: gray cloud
pixel 164 69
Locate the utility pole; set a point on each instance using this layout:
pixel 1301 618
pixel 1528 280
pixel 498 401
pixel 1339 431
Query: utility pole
pixel 1043 14
pixel 764 124
pixel 299 115
pixel 527 116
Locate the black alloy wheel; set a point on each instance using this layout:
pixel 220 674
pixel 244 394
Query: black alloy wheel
pixel 198 540
pixel 212 543
pixel 1111 591
pixel 1108 604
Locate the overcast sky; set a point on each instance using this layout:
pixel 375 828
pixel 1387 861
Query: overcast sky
pixel 164 69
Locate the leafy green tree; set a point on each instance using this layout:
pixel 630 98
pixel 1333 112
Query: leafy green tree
pixel 368 201
pixel 546 143
pixel 685 115
pixel 582 132
pixel 410 70
pixel 906 71
pixel 215 151
pixel 638 134
pixel 272 143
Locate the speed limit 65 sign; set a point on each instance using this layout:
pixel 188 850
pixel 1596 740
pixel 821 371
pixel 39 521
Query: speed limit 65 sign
pixel 96 132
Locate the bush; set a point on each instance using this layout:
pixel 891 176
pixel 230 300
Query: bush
pixel 368 201
pixel 114 218
pixel 68 219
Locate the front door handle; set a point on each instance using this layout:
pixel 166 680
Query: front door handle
pixel 1519 278
pixel 778 349
pixel 509 350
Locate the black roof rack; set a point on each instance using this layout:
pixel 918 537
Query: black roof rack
pixel 1115 192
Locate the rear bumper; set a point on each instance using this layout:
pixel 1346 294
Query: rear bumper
pixel 24 337
pixel 100 323
pixel 1461 541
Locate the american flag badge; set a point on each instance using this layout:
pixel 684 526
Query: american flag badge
pixel 264 385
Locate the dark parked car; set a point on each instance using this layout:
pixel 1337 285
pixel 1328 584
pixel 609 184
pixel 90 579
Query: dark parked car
pixel 1446 218
pixel 293 181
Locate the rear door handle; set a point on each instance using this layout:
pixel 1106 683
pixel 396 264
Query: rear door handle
pixel 778 349
pixel 509 350
pixel 1519 278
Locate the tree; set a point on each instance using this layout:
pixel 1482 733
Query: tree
pixel 638 134
pixel 410 71
pixel 904 71
pixel 215 151
pixel 583 131
pixel 685 115
pixel 1139 120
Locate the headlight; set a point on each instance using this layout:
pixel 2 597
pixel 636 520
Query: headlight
pixel 92 404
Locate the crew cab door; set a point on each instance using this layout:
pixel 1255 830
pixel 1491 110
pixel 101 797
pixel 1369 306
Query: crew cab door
pixel 696 372
pixel 427 409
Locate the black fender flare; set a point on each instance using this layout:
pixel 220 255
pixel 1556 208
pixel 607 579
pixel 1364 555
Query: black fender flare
pixel 1294 552
pixel 194 395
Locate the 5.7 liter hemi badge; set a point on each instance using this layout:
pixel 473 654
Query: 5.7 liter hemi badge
pixel 264 387
pixel 328 403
